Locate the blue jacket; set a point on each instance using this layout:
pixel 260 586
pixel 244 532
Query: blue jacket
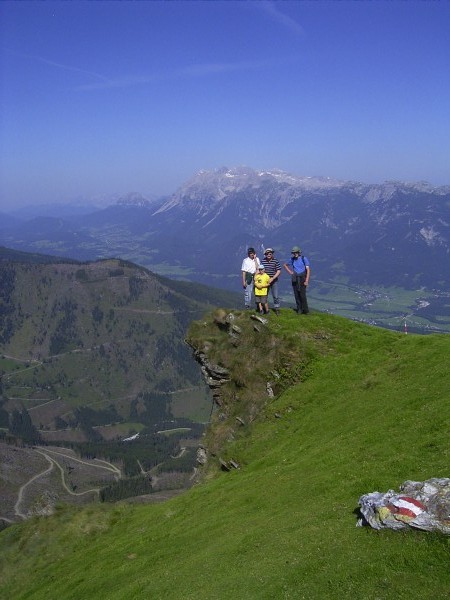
pixel 298 266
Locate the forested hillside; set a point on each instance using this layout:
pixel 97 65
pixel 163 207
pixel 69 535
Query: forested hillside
pixel 94 353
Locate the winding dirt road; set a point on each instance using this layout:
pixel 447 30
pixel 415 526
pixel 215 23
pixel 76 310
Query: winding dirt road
pixel 52 457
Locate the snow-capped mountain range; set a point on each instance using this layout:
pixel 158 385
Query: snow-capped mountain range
pixel 221 183
pixel 393 233
pixel 272 202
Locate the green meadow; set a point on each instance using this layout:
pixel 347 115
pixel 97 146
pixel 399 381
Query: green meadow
pixel 356 409
pixel 423 311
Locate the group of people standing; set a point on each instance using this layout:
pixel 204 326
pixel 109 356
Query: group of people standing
pixel 261 276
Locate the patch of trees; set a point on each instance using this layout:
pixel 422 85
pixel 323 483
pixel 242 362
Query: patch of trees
pixel 4 415
pixel 21 426
pixel 7 308
pixel 81 275
pixel 163 351
pixel 126 488
pixel 7 328
pixel 65 334
pixel 85 416
pixel 181 309
pixel 60 423
pixel 134 327
pixel 172 349
pixel 7 283
pixel 184 464
pixel 33 258
pixel 12 440
pixel 146 452
pixel 116 272
pixel 439 306
pixel 136 287
pixel 46 281
pixel 157 409
pixel 195 429
pixel 97 314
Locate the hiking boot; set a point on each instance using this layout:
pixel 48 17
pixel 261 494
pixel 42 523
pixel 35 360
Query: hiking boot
pixel 276 311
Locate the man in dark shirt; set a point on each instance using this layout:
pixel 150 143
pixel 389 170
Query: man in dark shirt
pixel 299 268
pixel 273 268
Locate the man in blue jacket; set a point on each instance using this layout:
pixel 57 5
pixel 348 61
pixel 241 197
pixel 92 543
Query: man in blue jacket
pixel 299 269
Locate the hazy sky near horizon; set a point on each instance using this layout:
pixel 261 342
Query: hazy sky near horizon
pixel 102 98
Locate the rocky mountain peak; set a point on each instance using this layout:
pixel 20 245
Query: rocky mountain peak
pixel 210 190
pixel 134 199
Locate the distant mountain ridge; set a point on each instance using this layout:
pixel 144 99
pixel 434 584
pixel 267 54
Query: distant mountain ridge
pixel 220 185
pixel 402 224
pixel 135 199
pixel 391 234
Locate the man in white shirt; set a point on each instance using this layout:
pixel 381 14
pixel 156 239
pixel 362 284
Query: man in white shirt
pixel 249 267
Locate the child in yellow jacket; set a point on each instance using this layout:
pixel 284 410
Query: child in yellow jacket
pixel 261 288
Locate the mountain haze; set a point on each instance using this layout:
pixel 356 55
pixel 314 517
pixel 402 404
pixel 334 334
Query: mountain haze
pixel 369 238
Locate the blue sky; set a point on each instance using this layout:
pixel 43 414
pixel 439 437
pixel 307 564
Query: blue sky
pixel 101 98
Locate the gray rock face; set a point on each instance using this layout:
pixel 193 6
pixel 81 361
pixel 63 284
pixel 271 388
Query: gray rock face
pixel 214 375
pixel 201 456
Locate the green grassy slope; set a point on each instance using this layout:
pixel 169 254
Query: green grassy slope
pixel 369 410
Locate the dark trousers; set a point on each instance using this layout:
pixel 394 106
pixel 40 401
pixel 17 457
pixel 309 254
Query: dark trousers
pixel 299 288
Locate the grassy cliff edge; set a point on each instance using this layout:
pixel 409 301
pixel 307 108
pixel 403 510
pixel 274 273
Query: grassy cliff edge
pixel 356 409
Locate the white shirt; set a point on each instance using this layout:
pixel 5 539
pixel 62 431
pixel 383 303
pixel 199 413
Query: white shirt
pixel 250 265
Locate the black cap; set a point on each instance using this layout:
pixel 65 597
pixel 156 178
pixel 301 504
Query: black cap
pixel 251 250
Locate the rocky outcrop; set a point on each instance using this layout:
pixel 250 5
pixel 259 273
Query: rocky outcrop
pixel 232 350
pixel 215 375
pixel 201 456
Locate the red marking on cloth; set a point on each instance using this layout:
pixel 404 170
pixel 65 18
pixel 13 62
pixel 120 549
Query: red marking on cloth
pixel 406 512
pixel 413 501
pixel 401 510
pixel 406 507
